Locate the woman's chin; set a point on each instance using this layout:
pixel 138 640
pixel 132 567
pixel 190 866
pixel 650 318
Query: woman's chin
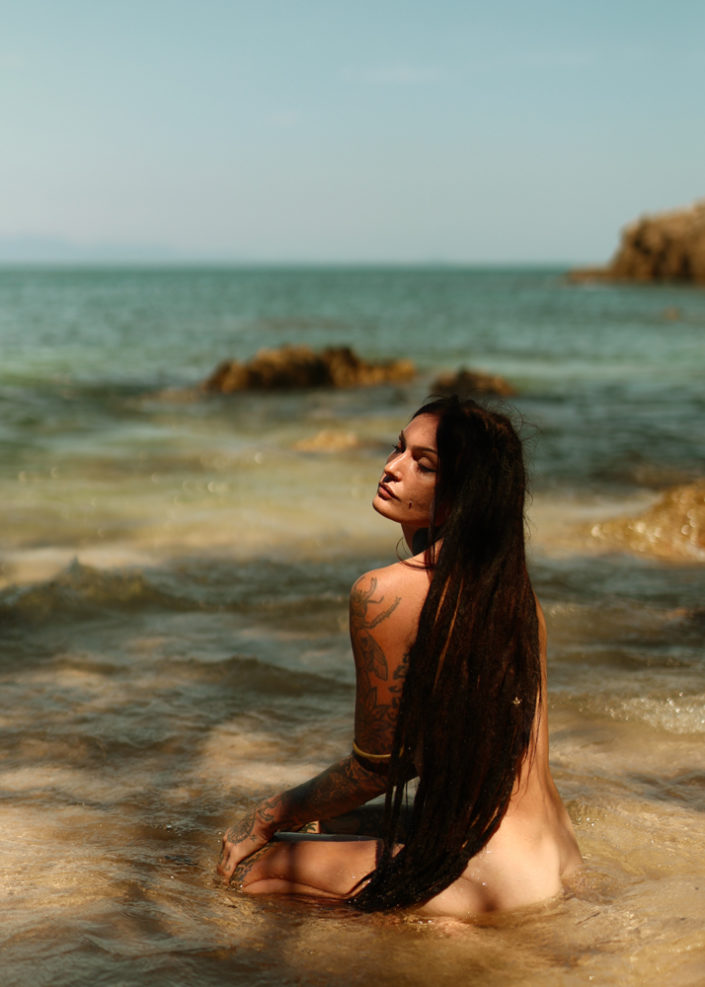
pixel 384 507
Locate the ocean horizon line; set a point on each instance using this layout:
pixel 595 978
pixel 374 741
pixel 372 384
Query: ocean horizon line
pixel 71 264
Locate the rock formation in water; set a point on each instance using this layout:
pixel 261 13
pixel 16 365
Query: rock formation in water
pixel 297 367
pixel 472 383
pixel 673 529
pixel 328 440
pixel 668 246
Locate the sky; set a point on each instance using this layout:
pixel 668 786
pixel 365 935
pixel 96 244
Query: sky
pixel 361 131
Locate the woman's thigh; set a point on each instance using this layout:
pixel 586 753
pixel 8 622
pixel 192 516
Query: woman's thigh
pixel 315 865
pixel 332 867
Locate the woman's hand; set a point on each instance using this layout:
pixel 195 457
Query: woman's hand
pixel 244 838
pixel 340 788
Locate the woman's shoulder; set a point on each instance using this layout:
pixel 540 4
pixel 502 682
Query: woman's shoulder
pixel 399 588
pixel 385 604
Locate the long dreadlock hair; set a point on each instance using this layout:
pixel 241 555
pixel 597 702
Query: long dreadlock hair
pixel 474 677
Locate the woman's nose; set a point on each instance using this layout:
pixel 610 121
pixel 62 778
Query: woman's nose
pixel 393 464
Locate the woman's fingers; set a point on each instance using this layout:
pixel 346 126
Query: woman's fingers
pixel 239 842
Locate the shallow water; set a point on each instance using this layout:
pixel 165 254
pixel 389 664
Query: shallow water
pixel 174 597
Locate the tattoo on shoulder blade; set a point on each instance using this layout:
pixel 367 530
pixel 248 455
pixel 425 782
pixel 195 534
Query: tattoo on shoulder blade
pixel 378 693
pixel 361 623
pixel 360 603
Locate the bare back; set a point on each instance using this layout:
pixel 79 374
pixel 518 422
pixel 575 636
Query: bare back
pixel 535 847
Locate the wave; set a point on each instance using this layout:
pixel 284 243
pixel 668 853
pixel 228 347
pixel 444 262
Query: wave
pixel 673 529
pixel 87 590
pixel 260 587
pixel 252 675
pixel 678 715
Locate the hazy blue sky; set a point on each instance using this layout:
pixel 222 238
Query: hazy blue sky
pixel 363 130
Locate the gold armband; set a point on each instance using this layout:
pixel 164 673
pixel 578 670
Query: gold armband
pixel 369 757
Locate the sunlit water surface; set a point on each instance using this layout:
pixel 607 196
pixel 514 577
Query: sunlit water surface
pixel 174 600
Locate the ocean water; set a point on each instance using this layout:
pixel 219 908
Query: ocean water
pixel 173 599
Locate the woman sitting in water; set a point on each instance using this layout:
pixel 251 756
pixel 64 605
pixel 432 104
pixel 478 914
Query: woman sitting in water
pixel 450 655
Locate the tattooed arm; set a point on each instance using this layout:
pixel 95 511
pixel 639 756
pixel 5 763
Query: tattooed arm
pixel 381 632
pixel 341 787
pixel 380 637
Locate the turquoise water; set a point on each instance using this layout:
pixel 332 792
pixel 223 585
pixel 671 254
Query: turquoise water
pixel 173 591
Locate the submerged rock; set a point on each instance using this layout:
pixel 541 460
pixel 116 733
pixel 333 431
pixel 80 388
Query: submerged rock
pixel 298 367
pixel 668 246
pixel 673 529
pixel 468 383
pixel 328 441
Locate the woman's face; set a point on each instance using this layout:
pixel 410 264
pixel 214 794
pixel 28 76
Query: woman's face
pixel 406 490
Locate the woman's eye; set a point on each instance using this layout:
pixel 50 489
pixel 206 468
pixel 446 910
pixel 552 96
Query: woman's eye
pixel 426 469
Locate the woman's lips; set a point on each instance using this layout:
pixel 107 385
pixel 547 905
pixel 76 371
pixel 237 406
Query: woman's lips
pixel 384 490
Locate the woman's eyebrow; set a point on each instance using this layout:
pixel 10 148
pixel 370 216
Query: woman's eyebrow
pixel 434 452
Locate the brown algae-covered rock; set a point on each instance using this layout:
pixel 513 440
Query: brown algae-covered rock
pixel 299 367
pixel 668 246
pixel 469 383
pixel 672 529
pixel 328 440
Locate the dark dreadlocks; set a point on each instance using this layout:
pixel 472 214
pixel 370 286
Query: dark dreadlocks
pixel 474 679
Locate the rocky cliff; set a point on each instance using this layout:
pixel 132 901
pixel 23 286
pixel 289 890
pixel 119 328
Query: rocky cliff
pixel 667 246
